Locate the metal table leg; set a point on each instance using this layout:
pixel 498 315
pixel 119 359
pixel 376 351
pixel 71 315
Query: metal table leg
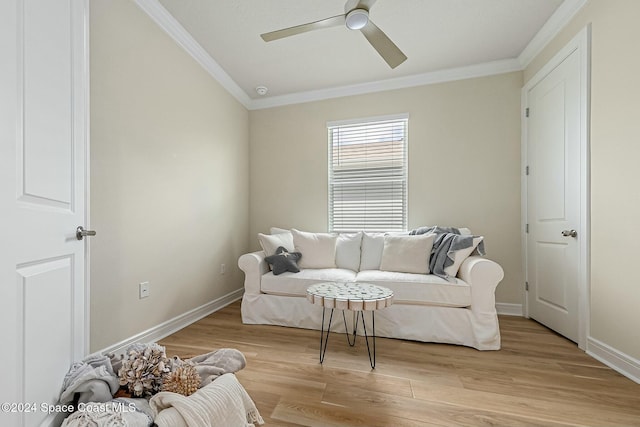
pixel 372 361
pixel 324 335
pixel 355 328
pixel 323 349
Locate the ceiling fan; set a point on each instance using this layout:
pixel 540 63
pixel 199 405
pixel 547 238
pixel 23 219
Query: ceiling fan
pixel 356 17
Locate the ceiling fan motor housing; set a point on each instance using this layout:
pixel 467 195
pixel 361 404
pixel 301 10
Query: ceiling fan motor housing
pixel 357 19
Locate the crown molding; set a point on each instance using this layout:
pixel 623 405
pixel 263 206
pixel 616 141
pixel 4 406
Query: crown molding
pixel 560 18
pixel 176 31
pixel 440 76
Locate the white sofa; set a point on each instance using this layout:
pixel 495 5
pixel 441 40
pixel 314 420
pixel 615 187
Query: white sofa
pixel 426 307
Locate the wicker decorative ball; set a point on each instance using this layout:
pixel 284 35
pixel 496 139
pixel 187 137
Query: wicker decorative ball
pixel 184 379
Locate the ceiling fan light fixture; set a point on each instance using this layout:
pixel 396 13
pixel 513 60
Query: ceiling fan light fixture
pixel 357 19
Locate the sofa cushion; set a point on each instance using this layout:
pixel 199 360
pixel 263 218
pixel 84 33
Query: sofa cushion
pixel 422 289
pixel 372 245
pixel 318 249
pixel 271 242
pixel 407 254
pixel 348 250
pixel 296 284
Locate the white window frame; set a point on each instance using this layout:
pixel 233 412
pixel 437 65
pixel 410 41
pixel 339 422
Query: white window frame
pixel 402 178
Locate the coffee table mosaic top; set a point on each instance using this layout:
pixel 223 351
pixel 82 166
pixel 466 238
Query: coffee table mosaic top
pixel 350 296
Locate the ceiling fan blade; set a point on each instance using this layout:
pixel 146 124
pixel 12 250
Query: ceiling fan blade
pixel 383 44
pixel 334 21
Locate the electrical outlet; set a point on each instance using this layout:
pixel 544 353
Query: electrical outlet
pixel 223 268
pixel 145 290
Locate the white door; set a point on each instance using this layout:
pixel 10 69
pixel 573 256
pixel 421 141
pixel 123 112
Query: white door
pixel 553 198
pixel 43 139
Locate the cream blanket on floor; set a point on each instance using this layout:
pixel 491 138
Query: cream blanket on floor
pixel 223 403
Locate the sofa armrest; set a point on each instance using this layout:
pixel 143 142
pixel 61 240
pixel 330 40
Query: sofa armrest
pixel 254 266
pixel 483 275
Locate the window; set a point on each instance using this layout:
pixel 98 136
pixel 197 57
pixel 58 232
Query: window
pixel 368 175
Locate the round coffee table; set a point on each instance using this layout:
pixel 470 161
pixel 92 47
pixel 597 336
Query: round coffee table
pixel 357 297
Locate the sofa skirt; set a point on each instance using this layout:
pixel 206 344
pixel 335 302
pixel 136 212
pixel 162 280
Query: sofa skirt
pixel 449 325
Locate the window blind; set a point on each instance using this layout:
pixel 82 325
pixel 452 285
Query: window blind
pixel 368 176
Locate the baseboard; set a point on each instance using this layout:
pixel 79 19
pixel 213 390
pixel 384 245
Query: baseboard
pixel 615 359
pixel 173 325
pixel 507 309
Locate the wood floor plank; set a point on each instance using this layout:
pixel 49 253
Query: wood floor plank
pixel 538 378
pixel 306 413
pixel 597 398
pixel 440 413
pixel 545 411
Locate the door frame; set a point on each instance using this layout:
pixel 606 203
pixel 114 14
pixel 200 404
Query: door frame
pixel 582 44
pixel 82 89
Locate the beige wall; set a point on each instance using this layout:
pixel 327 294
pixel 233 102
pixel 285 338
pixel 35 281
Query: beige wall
pixel 169 172
pixel 615 199
pixel 169 177
pixel 464 162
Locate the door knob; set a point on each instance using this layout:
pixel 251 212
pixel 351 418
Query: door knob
pixel 81 232
pixel 570 233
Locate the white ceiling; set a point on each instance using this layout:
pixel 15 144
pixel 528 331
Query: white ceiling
pixel 436 35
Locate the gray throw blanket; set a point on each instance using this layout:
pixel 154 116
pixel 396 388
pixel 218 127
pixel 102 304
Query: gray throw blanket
pixel 448 240
pixel 95 380
pixel 209 366
pixel 223 361
pixel 91 380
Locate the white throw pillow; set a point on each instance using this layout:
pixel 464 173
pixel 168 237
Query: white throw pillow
pixel 271 242
pixel 407 254
pixel 460 255
pixel 348 250
pixel 318 249
pixel 372 245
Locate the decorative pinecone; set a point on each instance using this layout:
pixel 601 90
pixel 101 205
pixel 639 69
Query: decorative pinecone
pixel 142 369
pixel 184 379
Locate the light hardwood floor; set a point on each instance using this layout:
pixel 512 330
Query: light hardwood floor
pixel 538 378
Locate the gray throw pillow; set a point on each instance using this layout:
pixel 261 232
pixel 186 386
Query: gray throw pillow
pixel 283 260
